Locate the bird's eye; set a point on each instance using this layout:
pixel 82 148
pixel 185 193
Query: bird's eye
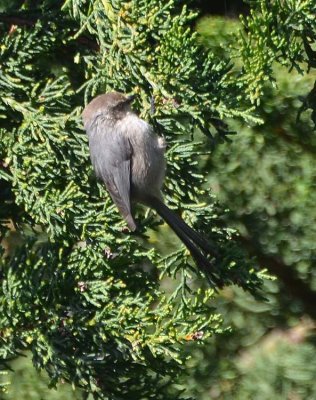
pixel 119 106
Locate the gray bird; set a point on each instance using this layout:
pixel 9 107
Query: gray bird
pixel 129 158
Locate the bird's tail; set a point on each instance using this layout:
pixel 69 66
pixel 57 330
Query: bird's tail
pixel 195 243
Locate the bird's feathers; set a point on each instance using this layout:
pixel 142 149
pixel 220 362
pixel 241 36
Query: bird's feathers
pixel 111 157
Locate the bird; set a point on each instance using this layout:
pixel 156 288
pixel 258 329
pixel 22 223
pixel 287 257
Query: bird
pixel 129 157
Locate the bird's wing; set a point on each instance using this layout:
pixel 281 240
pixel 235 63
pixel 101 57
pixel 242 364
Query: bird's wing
pixel 111 154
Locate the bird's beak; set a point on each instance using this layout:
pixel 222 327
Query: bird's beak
pixel 130 99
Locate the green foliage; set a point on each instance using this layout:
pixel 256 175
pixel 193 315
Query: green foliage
pixel 80 294
pixel 278 370
pixel 266 177
pixel 274 203
pixel 216 33
pixel 259 357
pixel 276 31
pixel 4 382
pixel 26 382
pixel 105 310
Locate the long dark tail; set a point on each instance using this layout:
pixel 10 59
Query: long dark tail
pixel 191 239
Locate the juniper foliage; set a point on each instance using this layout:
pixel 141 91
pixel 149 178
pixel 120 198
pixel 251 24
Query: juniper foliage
pixel 84 297
pixel 277 32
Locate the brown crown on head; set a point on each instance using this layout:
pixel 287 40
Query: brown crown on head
pixel 102 102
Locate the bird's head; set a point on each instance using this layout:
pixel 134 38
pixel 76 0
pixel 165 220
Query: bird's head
pixel 112 106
